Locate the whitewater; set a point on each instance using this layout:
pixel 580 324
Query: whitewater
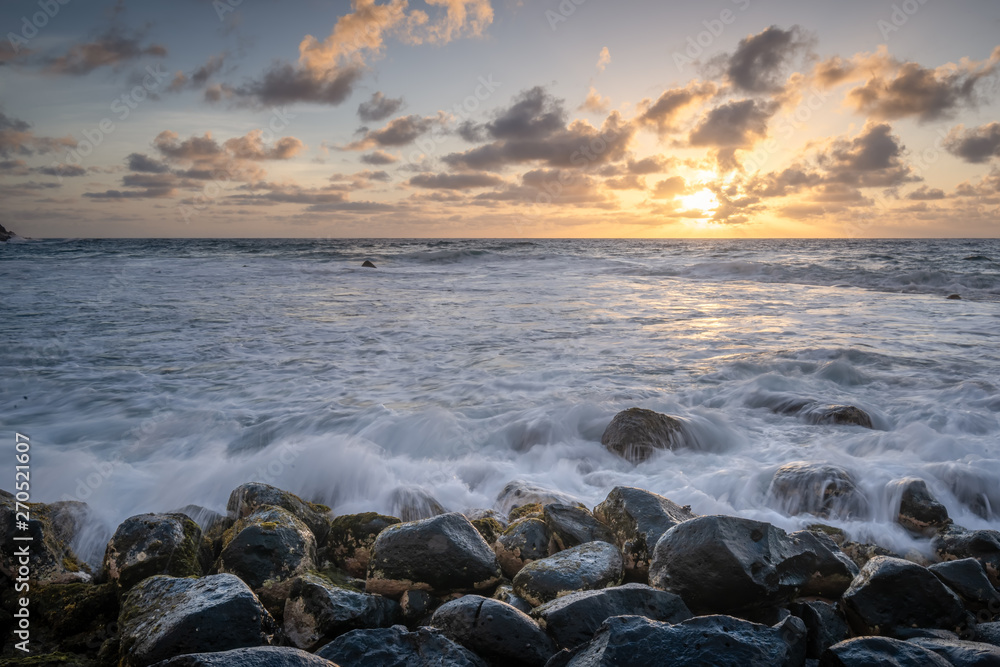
pixel 154 374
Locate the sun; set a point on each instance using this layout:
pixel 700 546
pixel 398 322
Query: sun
pixel 704 200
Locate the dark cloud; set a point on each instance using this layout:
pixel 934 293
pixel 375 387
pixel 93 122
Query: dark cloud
pixel 872 159
pixel 378 158
pixel 563 187
pixel 760 60
pixel 14 167
pixel 533 115
pixel 663 114
pixel 286 84
pixel 16 138
pixel 379 107
pixel 142 162
pixel 461 181
pixel 627 182
pixel 251 147
pixel 669 188
pixel 650 165
pixel 61 170
pixel 731 126
pixel 976 145
pixel 472 132
pixel 398 132
pixel 114 48
pixel 200 77
pixel 923 193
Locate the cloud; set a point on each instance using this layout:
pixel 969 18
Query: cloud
pixel 626 182
pixel 560 187
pixel 653 164
pixel 871 159
pixel 142 162
pixel 737 124
pixel 379 107
pixel 669 188
pixel 976 145
pixel 62 170
pixel 759 62
pixel 251 147
pixel 16 138
pixel 595 103
pixel 398 132
pixel 461 181
pixel 603 59
pixel 200 77
pixel 664 114
pixel 286 84
pixel 923 193
pixel 114 48
pixel 379 157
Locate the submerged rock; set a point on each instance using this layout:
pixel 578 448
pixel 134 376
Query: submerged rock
pixel 636 433
pixel 573 619
pixel 368 265
pixel 983 545
pixel 441 555
pixel 395 647
pixel 637 520
pixel 150 544
pixel 820 489
pixel 270 544
pixel 493 630
pixel 722 564
pixel 517 494
pixel 261 656
pixel 570 525
pixel 316 612
pixel 955 297
pixel 880 652
pixel 52 529
pixel 351 538
pixel 411 503
pixel 589 566
pixel 524 541
pixel 967 577
pixel 163 617
pixel 837 414
pixel 919 511
pixel 248 498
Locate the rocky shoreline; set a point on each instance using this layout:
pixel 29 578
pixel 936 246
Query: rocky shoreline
pixel 535 580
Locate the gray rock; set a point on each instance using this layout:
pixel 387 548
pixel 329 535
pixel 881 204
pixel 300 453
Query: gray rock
pixel 836 414
pixel 368 265
pixel 317 612
pixel 825 625
pixel 636 433
pixel 247 498
pixel 441 555
pixel 417 607
pixel 260 656
pixel 954 297
pixel 517 494
pixel 524 541
pixel 988 633
pixel 638 519
pixel 351 539
pixel 724 564
pixel 150 544
pixel 571 525
pixel 412 503
pixel 505 593
pixel 52 529
pixel 204 517
pixel 834 570
pixel 983 545
pixel 919 511
pixel 720 641
pixel 573 619
pixel 494 630
pixel 967 577
pixel 824 490
pixel 589 566
pixel 162 617
pixel 892 593
pixel 958 652
pixel 270 544
pixel 395 647
pixel 880 652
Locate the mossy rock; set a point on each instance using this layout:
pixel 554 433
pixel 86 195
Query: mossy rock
pixel 55 659
pixel 489 528
pixel 52 527
pixel 74 608
pixel 248 498
pixel 351 538
pixel 151 544
pixel 270 544
pixel 636 433
pixel 532 510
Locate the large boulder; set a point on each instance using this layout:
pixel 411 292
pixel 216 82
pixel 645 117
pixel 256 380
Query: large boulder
pixel 317 612
pixel 821 489
pixel 248 498
pixel 259 656
pixel 163 617
pixel 523 541
pixel 880 652
pixel 723 564
pixel 150 544
pixel 349 544
pixel 495 631
pixel 636 433
pixel 395 647
pixel 958 652
pixel 983 545
pixel 269 544
pixel 589 566
pixel 412 503
pixel 52 529
pixel 919 511
pixel 572 525
pixel 825 625
pixel 519 493
pixel 6 235
pixel 891 593
pixel 573 619
pixel 441 555
pixel 638 519
pixel 834 570
pixel 721 641
pixel 967 577
pixel 848 415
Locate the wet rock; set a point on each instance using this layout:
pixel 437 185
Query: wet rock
pixel 505 593
pixel 919 511
pixel 983 545
pixel 820 489
pixel 493 630
pixel 441 555
pixel 52 528
pixel 589 566
pixel 261 656
pixel 247 498
pixel 270 544
pixel 77 616
pixel 861 552
pixel 722 564
pixel 958 652
pixel 368 265
pixel 150 544
pixel 351 538
pixel 967 577
pixel 571 525
pixel 530 511
pixel 880 652
pixel 892 593
pixel 517 493
pixel 834 570
pixel 204 517
pixel 6 235
pixel 417 607
pixel 638 519
pixel 721 641
pixel 411 503
pixel 489 528
pixel 636 433
pixel 474 514
pixel 573 619
pixel 836 414
pixel 825 625
pixel 163 617
pixel 317 612
pixel 955 297
pixel 395 647
pixel 975 488
pixel 524 541
pixel 988 633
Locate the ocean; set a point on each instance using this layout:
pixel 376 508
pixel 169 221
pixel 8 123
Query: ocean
pixel 153 374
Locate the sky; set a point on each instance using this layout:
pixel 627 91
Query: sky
pixel 500 118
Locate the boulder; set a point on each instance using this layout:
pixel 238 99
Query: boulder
pixel 834 570
pixel 247 498
pixel 919 511
pixel 988 633
pixel 837 414
pixel 6 235
pixel 474 514
pixel 637 520
pixel 412 503
pixel 589 566
pixel 880 652
pixel 720 641
pixel 505 593
pixel 959 652
pixel 722 564
pixel 205 518
pixel 367 264
pixel 636 433
pixel 259 656
pixel 351 538
pixel 523 541
pixel 417 607
pixel 395 647
pixel 820 489
pixel 983 545
pixel 571 525
pixel 317 612
pixel 441 555
pixel 518 493
pixel 892 593
pixel 494 630
pixel 825 625
pixel 150 544
pixel 573 619
pixel 162 617
pixel 269 544
pixel 52 529
pixel 967 577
